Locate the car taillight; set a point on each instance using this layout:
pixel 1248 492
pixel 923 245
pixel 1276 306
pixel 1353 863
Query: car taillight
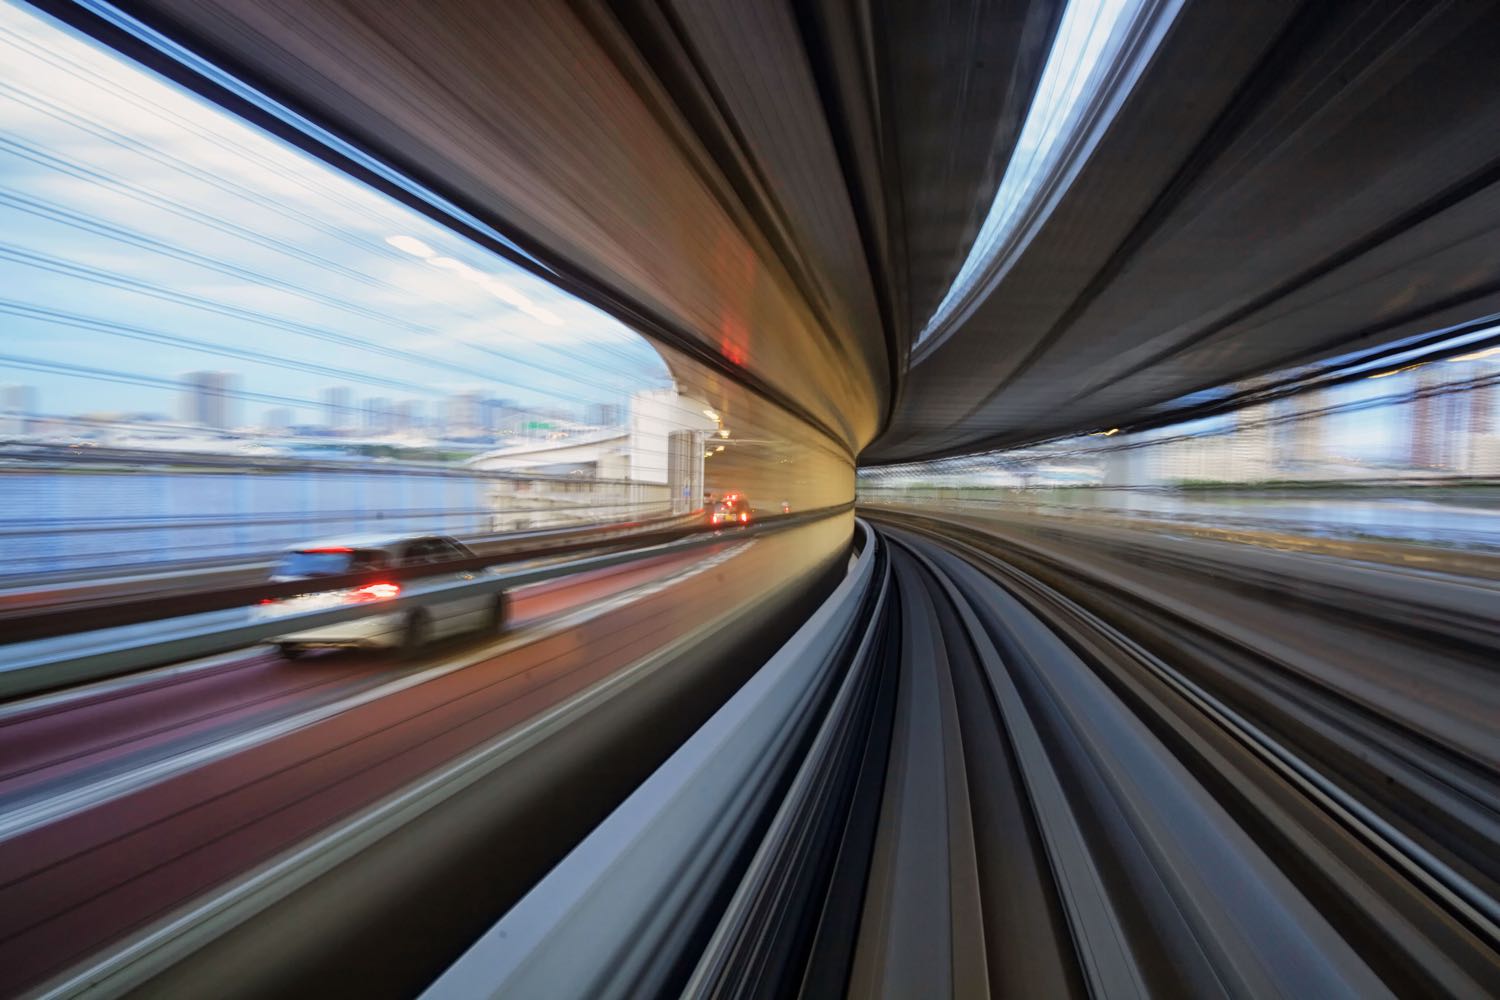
pixel 376 592
pixel 268 600
pixel 744 517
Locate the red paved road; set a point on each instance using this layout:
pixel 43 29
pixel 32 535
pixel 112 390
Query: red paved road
pixel 62 744
pixel 71 887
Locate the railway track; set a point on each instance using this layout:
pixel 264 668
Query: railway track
pixel 1090 792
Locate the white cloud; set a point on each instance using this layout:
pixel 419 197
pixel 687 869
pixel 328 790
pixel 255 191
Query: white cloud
pixel 172 168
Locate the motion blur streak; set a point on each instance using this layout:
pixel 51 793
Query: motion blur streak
pixel 749 498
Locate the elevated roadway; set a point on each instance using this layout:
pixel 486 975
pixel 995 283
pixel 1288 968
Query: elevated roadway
pixel 124 803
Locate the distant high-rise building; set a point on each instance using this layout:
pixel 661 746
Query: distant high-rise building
pixel 605 414
pixel 406 416
pixel 499 415
pixel 377 412
pixel 207 399
pixel 279 420
pixel 20 409
pixel 1482 405
pixel 1430 413
pixel 1306 428
pixel 466 413
pixel 1481 456
pixel 338 408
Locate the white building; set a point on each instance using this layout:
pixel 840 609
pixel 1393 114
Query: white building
pixel 207 399
pixel 338 409
pixel 653 466
pixel 19 403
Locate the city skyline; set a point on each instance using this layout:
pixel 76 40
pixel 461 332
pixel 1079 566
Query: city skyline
pixel 204 403
pixel 161 235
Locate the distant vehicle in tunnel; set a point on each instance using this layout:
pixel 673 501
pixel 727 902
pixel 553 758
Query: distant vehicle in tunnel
pixel 733 509
pixel 406 630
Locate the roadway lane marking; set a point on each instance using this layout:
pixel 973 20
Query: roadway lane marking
pixel 102 689
pixel 109 686
pixel 53 808
pixel 132 962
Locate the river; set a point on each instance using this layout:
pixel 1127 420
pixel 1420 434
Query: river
pixel 61 522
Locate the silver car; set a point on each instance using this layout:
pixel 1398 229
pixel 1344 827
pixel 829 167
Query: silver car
pixel 407 630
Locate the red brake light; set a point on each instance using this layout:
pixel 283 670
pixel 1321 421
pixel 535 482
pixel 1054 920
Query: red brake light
pixel 332 548
pixel 376 592
pixel 744 517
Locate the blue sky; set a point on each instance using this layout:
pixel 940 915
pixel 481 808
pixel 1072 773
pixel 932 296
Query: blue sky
pixel 133 214
pixel 132 211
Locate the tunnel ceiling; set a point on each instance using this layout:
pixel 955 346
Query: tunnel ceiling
pixel 1286 182
pixel 788 189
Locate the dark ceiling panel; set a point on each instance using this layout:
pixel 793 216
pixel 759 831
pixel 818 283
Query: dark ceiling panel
pixel 958 79
pixel 1283 186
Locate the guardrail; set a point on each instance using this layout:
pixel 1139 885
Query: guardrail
pixel 196 631
pixel 141 544
pixel 113 583
pixel 618 916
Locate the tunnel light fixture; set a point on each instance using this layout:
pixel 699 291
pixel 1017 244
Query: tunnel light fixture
pixel 710 414
pixel 719 448
pixel 723 432
pixel 1099 51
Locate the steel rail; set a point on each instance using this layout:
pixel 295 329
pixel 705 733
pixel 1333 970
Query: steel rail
pixel 1474 905
pixel 1103 954
pixel 1192 903
pixel 1396 894
pixel 763 940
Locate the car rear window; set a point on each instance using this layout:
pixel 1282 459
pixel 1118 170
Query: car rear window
pixel 328 562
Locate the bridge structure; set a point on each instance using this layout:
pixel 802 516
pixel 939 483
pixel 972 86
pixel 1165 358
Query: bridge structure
pixel 852 739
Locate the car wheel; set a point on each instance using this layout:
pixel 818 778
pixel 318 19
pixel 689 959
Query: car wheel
pixel 499 613
pixel 289 651
pixel 415 635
